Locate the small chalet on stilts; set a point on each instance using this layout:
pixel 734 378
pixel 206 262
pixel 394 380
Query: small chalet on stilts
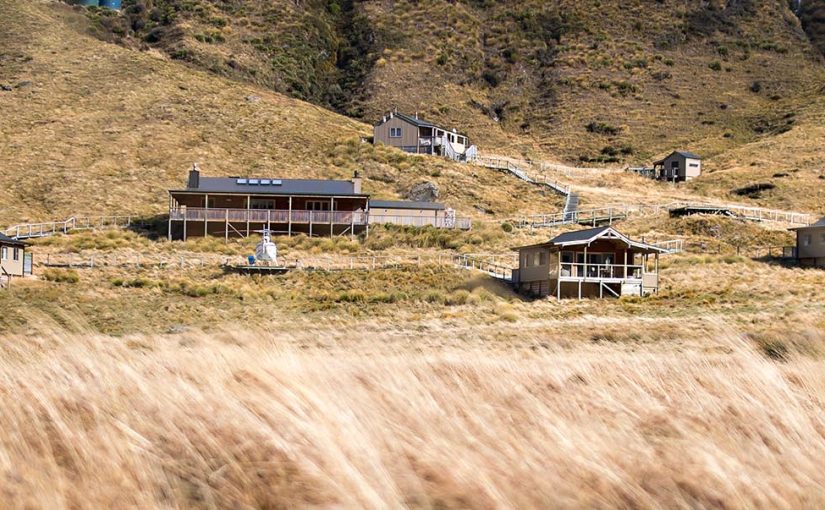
pixel 596 262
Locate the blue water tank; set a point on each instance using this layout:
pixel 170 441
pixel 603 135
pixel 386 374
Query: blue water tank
pixel 88 3
pixel 110 4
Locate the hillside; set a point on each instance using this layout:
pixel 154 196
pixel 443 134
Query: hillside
pixel 92 127
pixel 527 77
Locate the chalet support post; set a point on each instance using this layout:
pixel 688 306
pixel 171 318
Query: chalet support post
pixel 580 290
pixel 310 223
pixel 352 226
pixel 169 226
pixel 657 274
pixel 625 265
pixel 331 214
pixel 269 219
pixel 289 219
pixel 205 214
pixel 226 227
pixel 185 221
pixel 248 208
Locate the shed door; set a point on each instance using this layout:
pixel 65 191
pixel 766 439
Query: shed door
pixel 27 263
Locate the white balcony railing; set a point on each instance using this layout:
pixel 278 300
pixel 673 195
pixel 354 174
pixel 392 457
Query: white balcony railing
pixel 602 271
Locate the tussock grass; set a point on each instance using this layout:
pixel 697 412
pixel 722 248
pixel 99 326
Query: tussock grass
pixel 236 418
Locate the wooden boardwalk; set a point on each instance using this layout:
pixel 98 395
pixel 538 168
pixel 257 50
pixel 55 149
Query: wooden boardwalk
pixel 34 230
pixel 607 215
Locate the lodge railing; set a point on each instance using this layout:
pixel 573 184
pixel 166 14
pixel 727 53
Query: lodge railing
pixel 269 216
pixel 276 216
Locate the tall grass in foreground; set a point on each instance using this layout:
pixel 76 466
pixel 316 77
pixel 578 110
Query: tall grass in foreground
pixel 235 420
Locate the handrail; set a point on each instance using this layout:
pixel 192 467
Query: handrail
pixel 8 278
pixel 600 271
pixel 359 218
pixel 495 270
pixel 43 229
pixel 619 211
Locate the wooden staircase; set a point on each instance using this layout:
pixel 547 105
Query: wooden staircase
pixel 571 205
pixel 517 170
pixel 5 279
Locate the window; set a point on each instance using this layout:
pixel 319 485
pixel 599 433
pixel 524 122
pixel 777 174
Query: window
pixel 317 205
pixel 395 132
pixel 260 204
pixel 806 240
pixel 694 165
pixel 16 254
pixel 822 238
pixel 4 253
pixel 537 258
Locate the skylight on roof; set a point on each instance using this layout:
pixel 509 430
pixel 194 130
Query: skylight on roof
pixel 253 182
pixel 266 182
pixel 241 181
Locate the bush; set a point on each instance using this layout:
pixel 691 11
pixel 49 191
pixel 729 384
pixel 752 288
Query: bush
pixel 754 190
pixel 507 227
pixel 715 65
pixel 602 128
pixel 61 276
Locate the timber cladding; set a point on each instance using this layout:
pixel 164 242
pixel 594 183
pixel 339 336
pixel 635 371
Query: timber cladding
pixel 408 138
pixel 12 255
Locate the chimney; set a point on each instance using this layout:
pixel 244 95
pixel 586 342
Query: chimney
pixel 194 177
pixel 356 183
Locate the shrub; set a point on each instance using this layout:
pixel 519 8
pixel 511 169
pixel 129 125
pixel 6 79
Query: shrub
pixel 61 276
pixel 754 190
pixel 715 65
pixel 458 297
pixel 507 227
pixel 602 128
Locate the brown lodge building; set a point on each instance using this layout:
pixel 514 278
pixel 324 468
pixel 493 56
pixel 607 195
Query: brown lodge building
pixel 238 206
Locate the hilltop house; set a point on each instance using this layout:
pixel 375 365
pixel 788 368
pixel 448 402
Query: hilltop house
pixel 237 206
pixel 13 258
pixel 418 136
pixel 677 167
pixel 588 263
pixel 810 244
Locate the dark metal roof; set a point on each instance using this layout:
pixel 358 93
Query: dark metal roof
pixel 4 239
pixel 407 118
pixel 314 187
pixel 818 224
pixel 580 237
pixel 684 154
pixel 406 204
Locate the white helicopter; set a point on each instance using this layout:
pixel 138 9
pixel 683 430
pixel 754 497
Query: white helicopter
pixel 266 251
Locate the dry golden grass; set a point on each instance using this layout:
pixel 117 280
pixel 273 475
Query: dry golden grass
pixel 249 418
pixel 104 130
